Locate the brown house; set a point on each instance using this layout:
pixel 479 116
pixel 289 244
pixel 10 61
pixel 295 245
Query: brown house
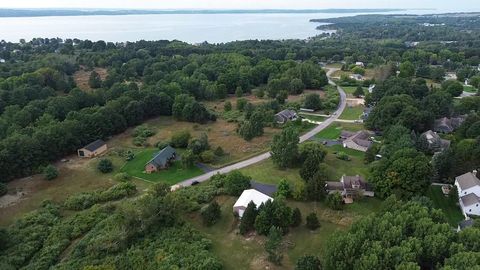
pixel 161 160
pixel 93 149
pixel 350 187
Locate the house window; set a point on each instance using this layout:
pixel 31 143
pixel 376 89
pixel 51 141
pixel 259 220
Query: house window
pixel 470 210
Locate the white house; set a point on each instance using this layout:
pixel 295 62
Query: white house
pixel 249 195
pixel 359 64
pixel 468 186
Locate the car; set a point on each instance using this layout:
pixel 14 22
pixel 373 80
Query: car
pixel 194 183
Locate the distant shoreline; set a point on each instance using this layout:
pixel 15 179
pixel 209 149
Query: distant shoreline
pixel 6 13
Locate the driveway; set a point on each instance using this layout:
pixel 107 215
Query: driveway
pixel 264 156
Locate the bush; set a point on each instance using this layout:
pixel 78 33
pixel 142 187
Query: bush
pixel 207 156
pixel 343 156
pixel 161 145
pixel 312 221
pixel 308 262
pixel 87 199
pixel 236 183
pixel 122 177
pixel 219 152
pixel 296 217
pixel 3 189
pixel 105 166
pixel 143 131
pixel 180 139
pixel 284 189
pixel 227 106
pixel 50 172
pixel 211 213
pixel 140 141
pixel 334 201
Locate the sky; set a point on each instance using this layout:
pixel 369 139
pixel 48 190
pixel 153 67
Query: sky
pixel 444 5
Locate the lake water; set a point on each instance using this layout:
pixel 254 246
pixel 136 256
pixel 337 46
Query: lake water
pixel 192 28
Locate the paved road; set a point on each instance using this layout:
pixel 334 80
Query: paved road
pixel 264 156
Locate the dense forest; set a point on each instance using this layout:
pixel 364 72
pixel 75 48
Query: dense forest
pixel 44 116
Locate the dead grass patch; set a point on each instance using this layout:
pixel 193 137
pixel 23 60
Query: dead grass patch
pixel 81 77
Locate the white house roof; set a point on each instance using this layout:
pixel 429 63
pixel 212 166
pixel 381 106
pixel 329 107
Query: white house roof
pixel 250 195
pixel 467 180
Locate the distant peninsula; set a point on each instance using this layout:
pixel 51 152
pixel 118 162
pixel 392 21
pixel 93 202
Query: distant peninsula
pixel 111 12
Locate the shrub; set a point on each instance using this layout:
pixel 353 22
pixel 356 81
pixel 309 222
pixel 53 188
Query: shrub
pixel 87 199
pixel 3 189
pixel 236 183
pixel 143 131
pixel 211 213
pixel 122 177
pixel 241 103
pixel 180 139
pixel 284 189
pixel 308 262
pixel 161 145
pixel 219 152
pixel 105 166
pixel 296 217
pixel 139 141
pixel 227 106
pixel 312 221
pixel 343 156
pixel 207 156
pixel 334 201
pixel 50 172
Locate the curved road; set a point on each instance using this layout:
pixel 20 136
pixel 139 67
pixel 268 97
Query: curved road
pixel 264 156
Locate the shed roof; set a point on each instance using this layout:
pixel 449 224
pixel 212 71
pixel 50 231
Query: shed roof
pixel 162 157
pixel 287 113
pixel 251 195
pixel 94 145
pixel 467 180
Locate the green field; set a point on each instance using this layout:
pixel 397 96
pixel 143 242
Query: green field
pixel 352 113
pixel 350 89
pixel 333 131
pixel 446 204
pixel 176 173
pixel 340 167
pixel 469 89
pixel 313 117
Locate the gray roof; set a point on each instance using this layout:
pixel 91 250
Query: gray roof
pixel 94 145
pixel 334 186
pixel 161 158
pixel 362 138
pixel 470 199
pixel 289 114
pixel 264 188
pixel 448 124
pixel 466 224
pixel 467 180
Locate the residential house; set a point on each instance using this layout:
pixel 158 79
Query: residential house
pixel 357 140
pixel 435 143
pixel 448 125
pixel 285 116
pixel 357 77
pixel 93 149
pixel 360 64
pixel 350 187
pixel 161 160
pixel 249 195
pixel 468 187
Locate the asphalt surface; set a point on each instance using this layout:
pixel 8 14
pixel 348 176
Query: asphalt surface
pixel 264 156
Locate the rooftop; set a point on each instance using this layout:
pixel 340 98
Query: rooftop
pixel 251 195
pixel 470 199
pixel 94 145
pixel 162 157
pixel 467 180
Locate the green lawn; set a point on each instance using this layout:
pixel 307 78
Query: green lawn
pixel 176 173
pixel 446 204
pixel 351 89
pixel 352 113
pixel 268 173
pixel 340 167
pixel 333 131
pixel 469 89
pixel 313 117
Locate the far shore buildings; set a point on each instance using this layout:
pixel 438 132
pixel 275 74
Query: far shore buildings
pixel 360 140
pixel 249 195
pixel 161 160
pixel 93 149
pixel 468 187
pixel 350 187
pixel 285 116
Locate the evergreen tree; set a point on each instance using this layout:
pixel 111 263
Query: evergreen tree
pixel 334 201
pixel 94 81
pixel 358 92
pixel 273 245
pixel 309 168
pixel 312 221
pixel 262 222
pixel 227 106
pixel 296 217
pixel 253 127
pixel 247 223
pixel 211 213
pixel 105 166
pixel 284 189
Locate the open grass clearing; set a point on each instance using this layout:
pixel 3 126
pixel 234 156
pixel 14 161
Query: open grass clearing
pixel 82 76
pixel 247 252
pixel 316 118
pixel 352 112
pixel 340 167
pixel 449 206
pixel 174 174
pixel 470 89
pixel 349 90
pixel 333 131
